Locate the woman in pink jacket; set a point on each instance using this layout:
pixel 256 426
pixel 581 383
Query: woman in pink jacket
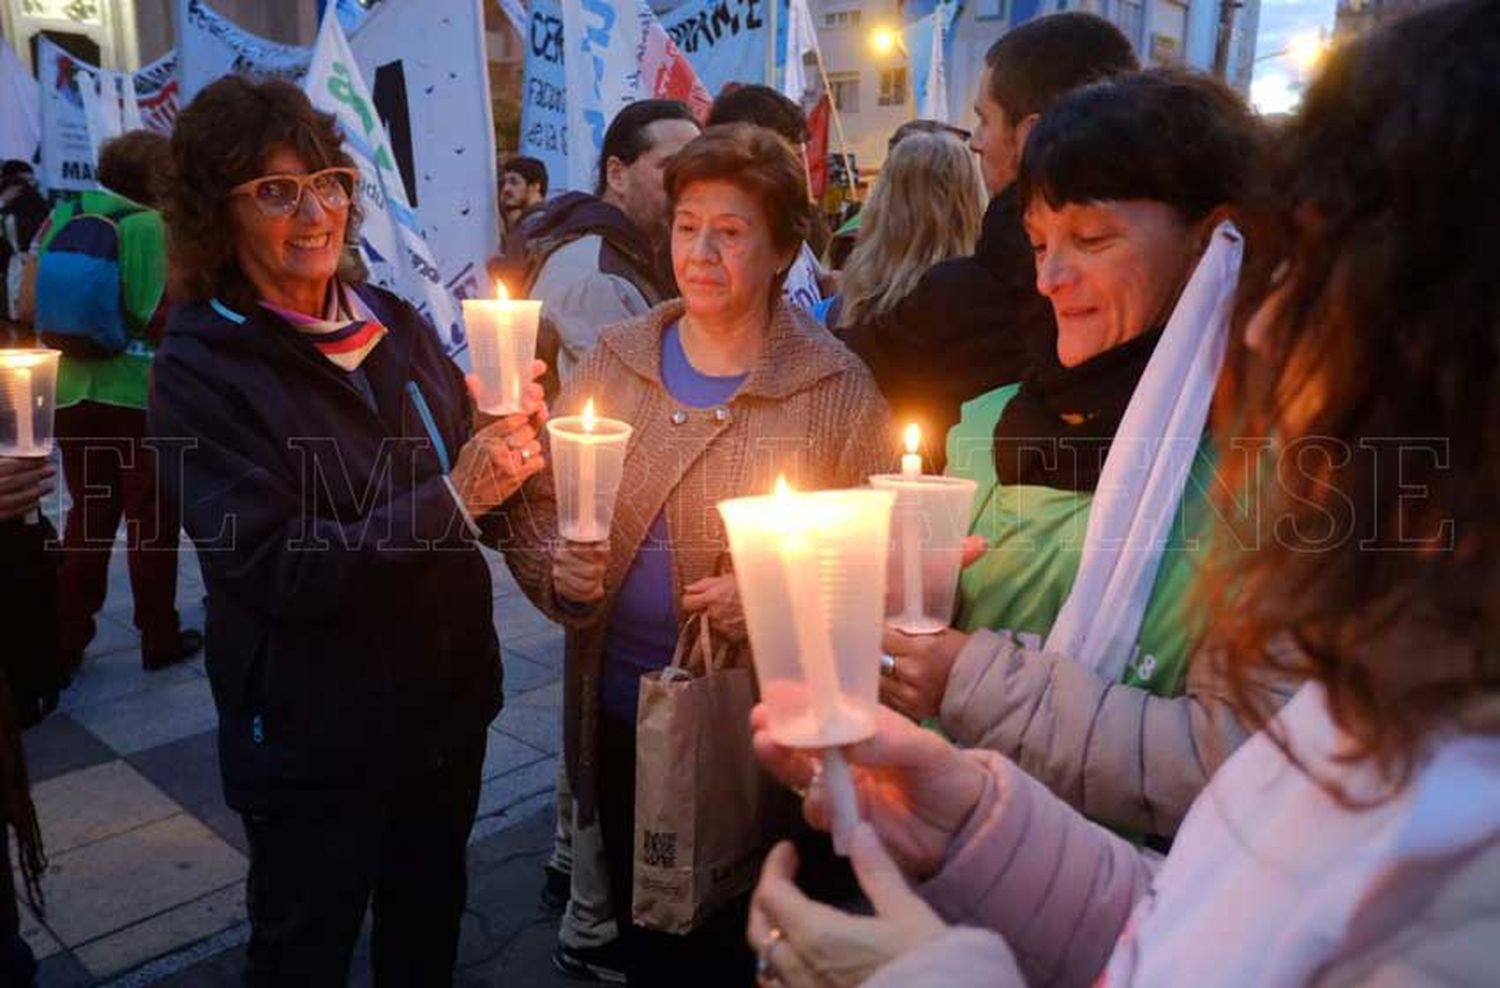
pixel 1355 840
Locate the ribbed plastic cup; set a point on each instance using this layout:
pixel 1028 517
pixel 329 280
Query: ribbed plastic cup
pixel 928 525
pixel 28 393
pixel 811 573
pixel 586 466
pixel 502 345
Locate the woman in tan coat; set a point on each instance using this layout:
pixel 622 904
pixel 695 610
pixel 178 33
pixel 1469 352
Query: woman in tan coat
pixel 726 389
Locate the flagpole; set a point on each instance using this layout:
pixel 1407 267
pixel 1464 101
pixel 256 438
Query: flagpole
pixel 838 121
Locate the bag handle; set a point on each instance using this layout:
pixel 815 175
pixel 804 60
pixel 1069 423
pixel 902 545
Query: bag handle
pixel 709 658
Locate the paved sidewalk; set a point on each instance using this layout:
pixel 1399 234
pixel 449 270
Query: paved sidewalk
pixel 147 864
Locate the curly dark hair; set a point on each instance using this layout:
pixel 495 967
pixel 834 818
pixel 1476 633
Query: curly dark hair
pixel 1376 546
pixel 135 164
pixel 760 162
pixel 222 138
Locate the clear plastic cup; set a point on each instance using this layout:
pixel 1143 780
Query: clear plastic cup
pixel 588 459
pixel 811 570
pixel 28 393
pixel 502 345
pixel 928 526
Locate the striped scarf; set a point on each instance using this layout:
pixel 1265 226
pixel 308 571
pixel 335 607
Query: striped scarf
pixel 347 332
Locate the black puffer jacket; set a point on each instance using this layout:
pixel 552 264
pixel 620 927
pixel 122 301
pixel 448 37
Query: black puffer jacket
pixel 350 637
pixel 970 325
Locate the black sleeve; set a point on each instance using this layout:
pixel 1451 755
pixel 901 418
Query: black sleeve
pixel 244 507
pixel 960 333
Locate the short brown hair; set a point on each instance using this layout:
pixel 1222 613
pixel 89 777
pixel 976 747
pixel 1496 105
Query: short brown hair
pixel 756 160
pixel 1040 61
pixel 133 164
pixel 222 138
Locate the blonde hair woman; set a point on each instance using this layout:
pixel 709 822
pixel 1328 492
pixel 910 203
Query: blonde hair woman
pixel 926 208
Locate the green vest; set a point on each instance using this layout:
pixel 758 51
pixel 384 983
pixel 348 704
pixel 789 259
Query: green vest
pixel 1036 536
pixel 124 378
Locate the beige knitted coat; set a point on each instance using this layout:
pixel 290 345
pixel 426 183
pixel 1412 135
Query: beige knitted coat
pixel 809 410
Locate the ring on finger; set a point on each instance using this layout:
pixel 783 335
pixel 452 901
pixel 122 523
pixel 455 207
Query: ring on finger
pixel 765 969
pixel 888 666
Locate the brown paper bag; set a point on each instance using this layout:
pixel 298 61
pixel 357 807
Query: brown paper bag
pixel 705 811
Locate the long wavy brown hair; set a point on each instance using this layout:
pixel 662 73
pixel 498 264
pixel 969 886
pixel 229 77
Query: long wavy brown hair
pixel 1377 371
pixel 222 138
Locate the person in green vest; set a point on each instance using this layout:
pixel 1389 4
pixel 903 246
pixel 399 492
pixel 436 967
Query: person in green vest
pixel 110 470
pixel 1122 184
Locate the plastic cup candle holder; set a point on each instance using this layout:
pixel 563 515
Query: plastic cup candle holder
pixel 28 395
pixel 811 569
pixel 28 390
pixel 588 459
pixel 502 344
pixel 931 518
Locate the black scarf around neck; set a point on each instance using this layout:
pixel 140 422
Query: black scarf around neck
pixel 1057 429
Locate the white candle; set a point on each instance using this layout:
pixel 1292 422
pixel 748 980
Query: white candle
pixel 586 472
pixel 799 560
pixel 502 344
pixel 911 534
pixel 911 462
pixel 21 395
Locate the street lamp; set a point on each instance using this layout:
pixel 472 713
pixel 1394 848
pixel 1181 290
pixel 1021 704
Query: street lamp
pixel 884 42
pixel 1306 50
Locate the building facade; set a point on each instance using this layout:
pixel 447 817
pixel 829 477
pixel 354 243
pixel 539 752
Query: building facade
pixel 872 91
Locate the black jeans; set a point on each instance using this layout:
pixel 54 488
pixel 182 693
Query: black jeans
pixel 315 867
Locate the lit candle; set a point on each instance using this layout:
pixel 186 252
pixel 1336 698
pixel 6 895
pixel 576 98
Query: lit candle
pixel 912 603
pixel 911 462
pixel 502 343
pixel 20 384
pixel 28 384
pixel 588 460
pixel 587 466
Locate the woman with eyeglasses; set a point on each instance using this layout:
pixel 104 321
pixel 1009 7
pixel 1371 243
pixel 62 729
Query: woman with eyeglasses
pixel 333 476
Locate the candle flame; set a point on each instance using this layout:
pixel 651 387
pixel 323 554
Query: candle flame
pixel 783 489
pixel 501 295
pixel 913 438
pixel 588 415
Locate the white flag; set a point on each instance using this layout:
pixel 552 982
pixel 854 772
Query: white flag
pixel 801 40
pixel 390 239
pixel 21 123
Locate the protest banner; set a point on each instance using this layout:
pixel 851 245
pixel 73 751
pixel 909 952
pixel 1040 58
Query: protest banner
pixel 428 71
pixel 210 45
pixel 544 106
pixel 21 123
pixel 156 92
pixel 67 149
pixel 390 239
pixel 613 56
pixel 726 40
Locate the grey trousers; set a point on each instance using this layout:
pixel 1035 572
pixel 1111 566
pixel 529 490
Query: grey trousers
pixel 589 919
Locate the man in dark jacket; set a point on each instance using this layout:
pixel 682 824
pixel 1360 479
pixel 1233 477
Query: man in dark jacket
pixel 974 323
